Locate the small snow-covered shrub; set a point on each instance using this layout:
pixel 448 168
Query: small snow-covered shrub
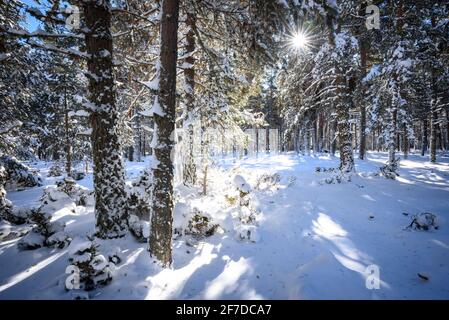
pixel 200 225
pixel 7 232
pixel 267 181
pixel 18 215
pixel 95 269
pixel 58 239
pixel 243 188
pixel 55 170
pixel 5 204
pixel 44 233
pixel 77 175
pixel 19 175
pixel 114 254
pixel 241 184
pixel 336 176
pixel 31 241
pixel 390 171
pixel 15 215
pixel 247 215
pixel 57 200
pixel 139 228
pixel 139 206
pixel 247 232
pixel 333 175
pixel 139 196
pixel 325 170
pixel 80 195
pixel 245 224
pixel 424 221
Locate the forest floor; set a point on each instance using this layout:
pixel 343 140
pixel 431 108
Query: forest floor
pixel 314 240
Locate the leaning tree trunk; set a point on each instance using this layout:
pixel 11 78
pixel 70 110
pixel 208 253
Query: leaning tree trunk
pixel 160 241
pixel 189 172
pixel 109 182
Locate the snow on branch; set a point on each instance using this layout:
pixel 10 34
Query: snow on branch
pixel 41 34
pixel 71 52
pixel 10 126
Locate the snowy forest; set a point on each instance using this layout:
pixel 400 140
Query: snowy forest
pixel 224 149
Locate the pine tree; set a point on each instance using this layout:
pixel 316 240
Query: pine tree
pixel 160 241
pixel 109 180
pixel 189 172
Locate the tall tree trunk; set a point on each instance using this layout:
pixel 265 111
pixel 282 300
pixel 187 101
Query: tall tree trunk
pixel 344 132
pixel 321 132
pixel 380 141
pixel 447 129
pixel 362 143
pixel 267 139
pixel 307 138
pixel 433 132
pixel 314 136
pixel 204 152
pixel 144 143
pixel 325 136
pixel 333 138
pixel 139 138
pixel 392 128
pixel 440 144
pixel 424 139
pixel 189 172
pixel 433 111
pixel 68 146
pixel 406 144
pixel 342 108
pixel 393 140
pixel 398 140
pixel 257 141
pixel 433 120
pixel 109 182
pixel 131 153
pixel 160 241
pixel 297 134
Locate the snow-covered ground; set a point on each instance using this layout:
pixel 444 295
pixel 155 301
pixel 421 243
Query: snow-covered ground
pixel 313 240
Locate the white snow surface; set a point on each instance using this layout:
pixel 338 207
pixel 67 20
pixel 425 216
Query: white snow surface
pixel 314 240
